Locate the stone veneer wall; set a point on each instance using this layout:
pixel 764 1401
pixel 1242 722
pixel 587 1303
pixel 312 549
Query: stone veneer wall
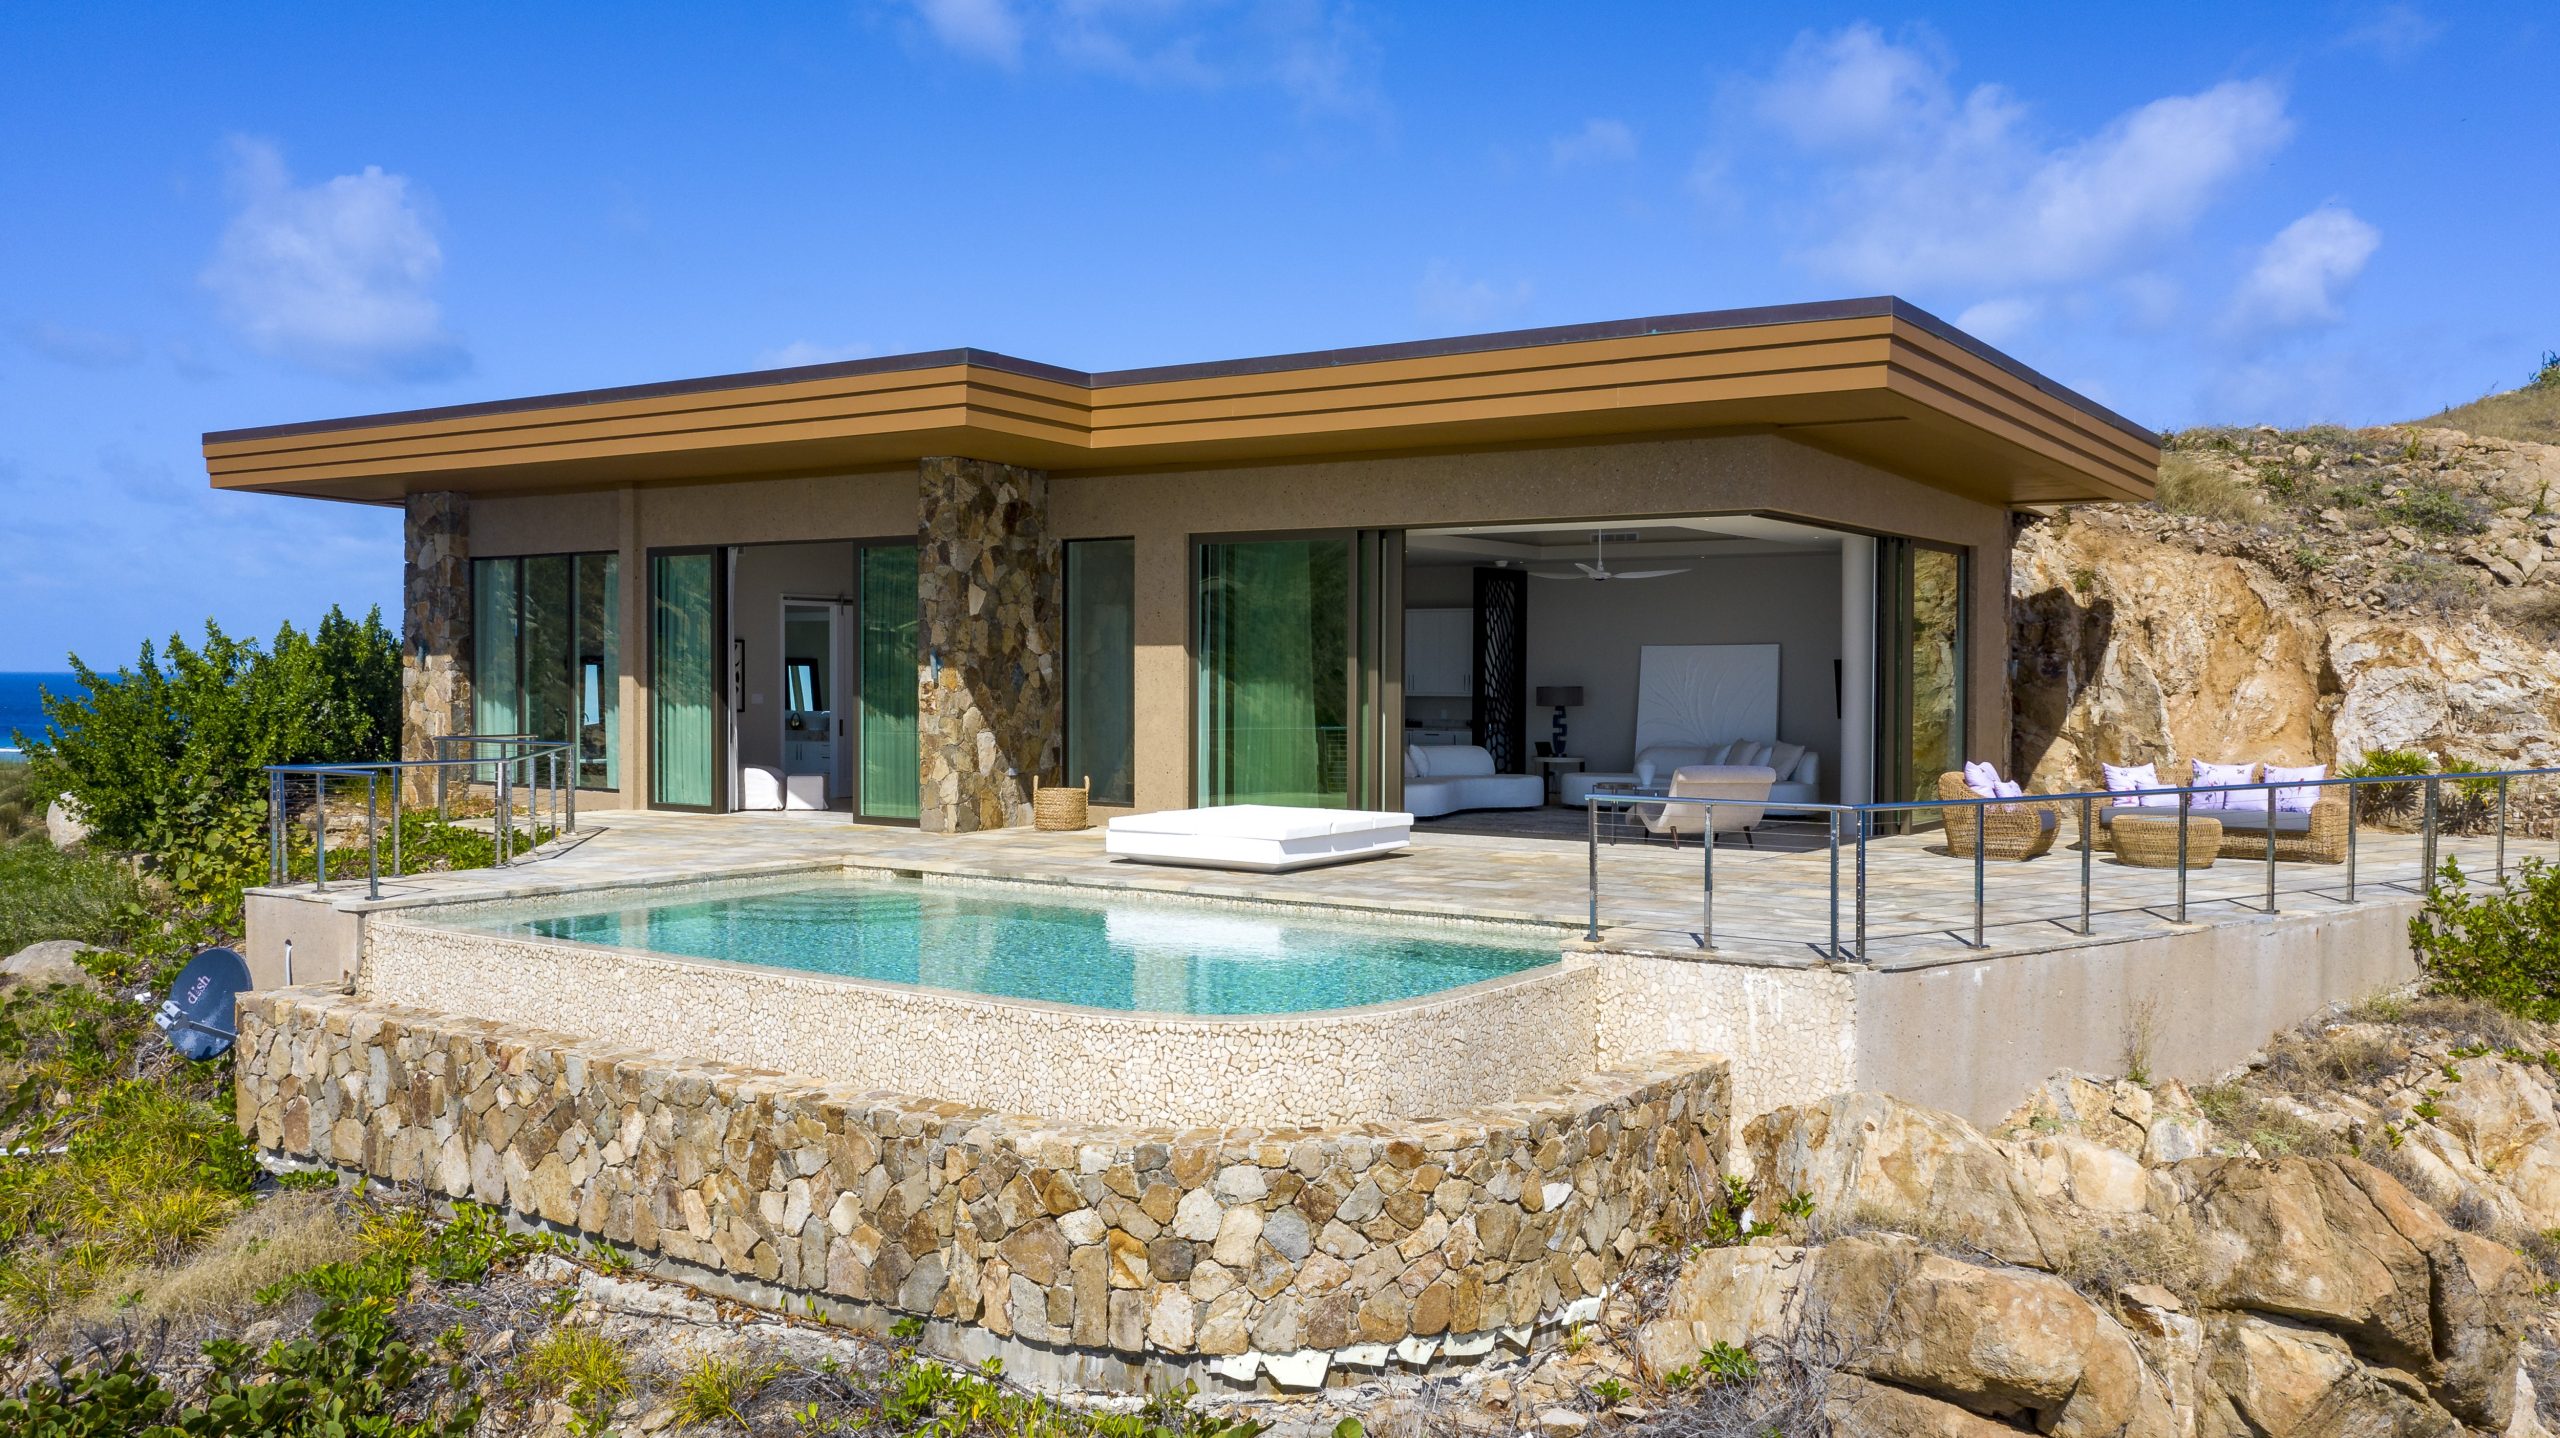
pixel 1271 1250
pixel 435 625
pixel 991 719
pixel 1389 1060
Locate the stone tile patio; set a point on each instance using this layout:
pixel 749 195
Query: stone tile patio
pixel 1770 907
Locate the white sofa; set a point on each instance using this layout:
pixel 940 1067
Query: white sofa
pixel 1798 768
pixel 1445 778
pixel 1264 838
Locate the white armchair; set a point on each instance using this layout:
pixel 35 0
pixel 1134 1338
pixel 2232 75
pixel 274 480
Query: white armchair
pixel 1712 781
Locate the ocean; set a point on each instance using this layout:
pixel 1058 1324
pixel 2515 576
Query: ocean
pixel 19 709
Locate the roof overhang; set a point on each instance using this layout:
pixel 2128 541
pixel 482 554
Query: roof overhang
pixel 1875 380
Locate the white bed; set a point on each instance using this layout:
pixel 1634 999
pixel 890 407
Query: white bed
pixel 1264 838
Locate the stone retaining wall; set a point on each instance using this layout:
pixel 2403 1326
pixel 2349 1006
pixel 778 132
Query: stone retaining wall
pixel 1434 1054
pixel 1243 1250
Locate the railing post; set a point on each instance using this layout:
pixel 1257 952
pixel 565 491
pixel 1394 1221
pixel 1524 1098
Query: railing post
pixel 2184 797
pixel 2088 856
pixel 275 829
pixel 2271 848
pixel 1707 914
pixel 1591 806
pixel 2502 828
pixel 498 821
pixel 436 747
pixel 398 777
pixel 372 834
pixel 2427 840
pixel 1835 885
pixel 2354 789
pixel 1979 863
pixel 1862 884
pixel 573 797
pixel 319 831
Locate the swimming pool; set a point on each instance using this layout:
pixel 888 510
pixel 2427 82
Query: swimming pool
pixel 1098 952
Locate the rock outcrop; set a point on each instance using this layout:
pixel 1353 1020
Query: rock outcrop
pixel 2344 593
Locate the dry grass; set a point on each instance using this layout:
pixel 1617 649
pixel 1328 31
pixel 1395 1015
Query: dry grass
pixel 2529 413
pixel 2193 484
pixel 289 1233
pixel 2162 1252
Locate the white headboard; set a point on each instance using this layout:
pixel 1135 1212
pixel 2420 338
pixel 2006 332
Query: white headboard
pixel 1695 693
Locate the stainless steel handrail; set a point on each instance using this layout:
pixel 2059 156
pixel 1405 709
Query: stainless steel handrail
pixel 1858 821
pixel 552 803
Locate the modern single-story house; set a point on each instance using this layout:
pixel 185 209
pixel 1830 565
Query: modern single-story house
pixel 909 587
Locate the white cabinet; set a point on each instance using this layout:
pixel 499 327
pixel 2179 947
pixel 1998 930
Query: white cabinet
pixel 1436 737
pixel 1439 652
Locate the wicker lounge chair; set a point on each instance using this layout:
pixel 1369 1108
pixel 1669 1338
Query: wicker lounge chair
pixel 2020 830
pixel 2319 837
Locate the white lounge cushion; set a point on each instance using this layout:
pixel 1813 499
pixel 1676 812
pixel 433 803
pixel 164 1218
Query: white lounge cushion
pixel 1267 838
pixel 1452 761
pixel 1430 798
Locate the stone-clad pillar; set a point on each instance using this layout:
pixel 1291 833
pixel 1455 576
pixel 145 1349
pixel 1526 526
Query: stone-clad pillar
pixel 435 626
pixel 989 715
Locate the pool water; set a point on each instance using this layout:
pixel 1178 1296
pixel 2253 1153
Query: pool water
pixel 1103 953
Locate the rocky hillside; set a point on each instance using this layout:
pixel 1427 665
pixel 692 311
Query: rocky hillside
pixel 2308 595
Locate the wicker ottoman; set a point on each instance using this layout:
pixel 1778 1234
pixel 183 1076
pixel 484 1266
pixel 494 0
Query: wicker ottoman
pixel 2149 841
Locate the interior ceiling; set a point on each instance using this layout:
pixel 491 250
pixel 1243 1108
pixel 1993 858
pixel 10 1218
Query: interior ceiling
pixel 1552 543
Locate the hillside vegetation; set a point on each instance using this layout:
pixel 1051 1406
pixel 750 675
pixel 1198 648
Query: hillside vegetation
pixel 2532 412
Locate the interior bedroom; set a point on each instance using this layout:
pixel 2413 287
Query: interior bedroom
pixel 1543 662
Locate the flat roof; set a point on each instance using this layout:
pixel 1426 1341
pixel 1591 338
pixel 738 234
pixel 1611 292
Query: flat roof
pixel 1805 367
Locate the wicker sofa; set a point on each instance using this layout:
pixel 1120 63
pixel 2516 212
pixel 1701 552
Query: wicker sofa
pixel 2317 837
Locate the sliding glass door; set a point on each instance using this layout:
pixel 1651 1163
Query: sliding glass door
pixel 546 657
pixel 1274 647
pixel 1920 662
pixel 891 659
pixel 685 682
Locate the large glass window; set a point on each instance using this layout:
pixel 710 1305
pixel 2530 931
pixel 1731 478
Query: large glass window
pixel 684 678
pixel 1274 646
pixel 890 664
pixel 1101 668
pixel 545 658
pixel 1920 660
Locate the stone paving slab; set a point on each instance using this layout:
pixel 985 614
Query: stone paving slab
pixel 1770 907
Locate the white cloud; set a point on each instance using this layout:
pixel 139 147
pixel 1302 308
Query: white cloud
pixel 2393 32
pixel 1447 297
pixel 1929 187
pixel 989 30
pixel 1598 142
pixel 1314 51
pixel 2000 321
pixel 336 276
pixel 89 349
pixel 800 352
pixel 2299 275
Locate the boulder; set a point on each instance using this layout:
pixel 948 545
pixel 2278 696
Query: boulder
pixel 2003 1343
pixel 1871 1158
pixel 1724 1295
pixel 51 961
pixel 63 825
pixel 1858 1408
pixel 2503 1115
pixel 2298 1237
pixel 2268 1376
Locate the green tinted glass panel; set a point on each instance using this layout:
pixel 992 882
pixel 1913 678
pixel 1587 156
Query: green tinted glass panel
pixel 1101 668
pixel 684 681
pixel 497 664
pixel 890 661
pixel 1274 644
pixel 1937 668
pixel 549 645
pixel 598 678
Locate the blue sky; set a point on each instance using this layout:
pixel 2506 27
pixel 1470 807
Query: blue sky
pixel 219 216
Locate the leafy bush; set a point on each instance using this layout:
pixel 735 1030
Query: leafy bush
pixel 2389 802
pixel 164 759
pixel 2438 509
pixel 2502 945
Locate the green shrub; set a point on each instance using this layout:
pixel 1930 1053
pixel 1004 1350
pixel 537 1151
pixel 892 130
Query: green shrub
pixel 2389 802
pixel 2502 945
pixel 2438 509
pixel 48 893
pixel 164 758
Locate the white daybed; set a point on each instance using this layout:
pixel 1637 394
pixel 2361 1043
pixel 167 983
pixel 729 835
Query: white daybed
pixel 1265 838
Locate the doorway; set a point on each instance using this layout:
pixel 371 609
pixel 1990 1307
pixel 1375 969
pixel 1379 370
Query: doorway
pixel 816 772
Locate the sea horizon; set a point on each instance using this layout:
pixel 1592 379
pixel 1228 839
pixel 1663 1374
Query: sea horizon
pixel 20 706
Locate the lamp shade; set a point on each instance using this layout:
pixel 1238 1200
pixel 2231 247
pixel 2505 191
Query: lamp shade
pixel 1553 696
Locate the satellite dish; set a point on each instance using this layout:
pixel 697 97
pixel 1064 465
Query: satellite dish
pixel 197 1015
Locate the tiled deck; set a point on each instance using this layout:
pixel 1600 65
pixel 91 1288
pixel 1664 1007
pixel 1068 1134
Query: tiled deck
pixel 1771 907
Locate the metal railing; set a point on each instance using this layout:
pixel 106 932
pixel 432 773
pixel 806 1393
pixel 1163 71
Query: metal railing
pixel 548 787
pixel 1855 828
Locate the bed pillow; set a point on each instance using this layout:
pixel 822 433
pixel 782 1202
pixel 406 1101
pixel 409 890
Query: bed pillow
pixel 2296 801
pixel 2212 774
pixel 1784 757
pixel 1982 779
pixel 2126 778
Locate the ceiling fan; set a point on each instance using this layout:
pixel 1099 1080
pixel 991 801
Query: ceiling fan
pixel 1598 568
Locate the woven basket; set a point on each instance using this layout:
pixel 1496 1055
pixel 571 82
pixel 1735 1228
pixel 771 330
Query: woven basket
pixel 1060 809
pixel 2152 843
